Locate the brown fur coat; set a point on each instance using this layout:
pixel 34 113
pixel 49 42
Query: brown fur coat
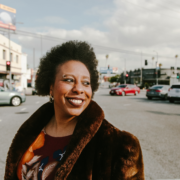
pixel 97 150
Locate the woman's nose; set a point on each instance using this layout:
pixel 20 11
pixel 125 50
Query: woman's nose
pixel 78 88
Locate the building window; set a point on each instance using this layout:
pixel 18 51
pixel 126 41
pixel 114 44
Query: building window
pixel 17 59
pixel 4 54
pixel 11 56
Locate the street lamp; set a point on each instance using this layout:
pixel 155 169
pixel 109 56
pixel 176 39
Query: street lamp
pixel 125 71
pixel 152 62
pixel 106 59
pixel 156 68
pixel 176 56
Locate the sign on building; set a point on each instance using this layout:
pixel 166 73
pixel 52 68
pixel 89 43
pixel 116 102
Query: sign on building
pixel 7 17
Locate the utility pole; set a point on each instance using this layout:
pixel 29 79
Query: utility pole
pixel 33 58
pixel 125 71
pixel 9 58
pixel 176 56
pixel 141 68
pixel 156 68
pixel 41 45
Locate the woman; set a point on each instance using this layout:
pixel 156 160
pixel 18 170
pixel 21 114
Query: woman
pixel 68 137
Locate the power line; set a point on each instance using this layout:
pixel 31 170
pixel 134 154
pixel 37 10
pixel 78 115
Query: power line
pixel 167 8
pixel 151 10
pixel 175 4
pixel 51 38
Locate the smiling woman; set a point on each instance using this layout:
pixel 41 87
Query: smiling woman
pixel 68 137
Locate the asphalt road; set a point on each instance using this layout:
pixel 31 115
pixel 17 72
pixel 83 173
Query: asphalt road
pixel 156 123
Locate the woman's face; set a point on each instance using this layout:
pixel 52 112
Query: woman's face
pixel 72 89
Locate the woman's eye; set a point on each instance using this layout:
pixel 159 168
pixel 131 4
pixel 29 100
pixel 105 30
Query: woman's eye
pixel 86 83
pixel 69 80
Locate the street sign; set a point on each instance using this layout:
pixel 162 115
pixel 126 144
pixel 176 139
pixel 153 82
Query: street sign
pixel 7 17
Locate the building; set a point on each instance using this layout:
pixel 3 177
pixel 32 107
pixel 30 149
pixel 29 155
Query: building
pixel 166 76
pixel 106 72
pixel 18 64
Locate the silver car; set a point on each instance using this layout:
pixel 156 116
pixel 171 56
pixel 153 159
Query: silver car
pixel 11 97
pixel 158 91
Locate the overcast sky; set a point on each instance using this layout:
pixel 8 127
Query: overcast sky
pixel 120 28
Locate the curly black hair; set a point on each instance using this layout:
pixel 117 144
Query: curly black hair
pixel 72 50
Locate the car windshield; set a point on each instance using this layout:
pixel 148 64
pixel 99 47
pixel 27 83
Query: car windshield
pixel 156 87
pixel 175 87
pixel 122 86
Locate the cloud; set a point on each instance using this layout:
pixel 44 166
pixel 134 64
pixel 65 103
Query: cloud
pixel 144 26
pixel 99 11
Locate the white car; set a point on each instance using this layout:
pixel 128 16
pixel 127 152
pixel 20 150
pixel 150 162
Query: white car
pixel 174 93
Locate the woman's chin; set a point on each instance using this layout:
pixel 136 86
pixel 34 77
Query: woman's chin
pixel 74 112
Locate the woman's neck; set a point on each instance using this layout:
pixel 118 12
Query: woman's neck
pixel 60 126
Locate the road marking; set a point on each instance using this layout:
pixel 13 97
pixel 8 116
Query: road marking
pixel 37 102
pixel 127 104
pixel 0 120
pixel 23 109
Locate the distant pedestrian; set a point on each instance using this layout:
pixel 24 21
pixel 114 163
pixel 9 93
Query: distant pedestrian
pixel 68 137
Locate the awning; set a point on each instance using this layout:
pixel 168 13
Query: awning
pixel 4 72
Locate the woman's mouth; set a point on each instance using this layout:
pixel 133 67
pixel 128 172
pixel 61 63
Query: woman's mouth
pixel 75 102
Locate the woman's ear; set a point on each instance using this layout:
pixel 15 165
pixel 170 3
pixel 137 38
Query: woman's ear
pixel 51 90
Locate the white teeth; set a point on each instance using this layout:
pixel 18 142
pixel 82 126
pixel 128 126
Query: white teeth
pixel 76 101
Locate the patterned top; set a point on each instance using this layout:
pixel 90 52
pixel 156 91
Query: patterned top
pixel 40 161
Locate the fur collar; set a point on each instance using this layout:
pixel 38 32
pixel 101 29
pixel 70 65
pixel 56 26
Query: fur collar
pixel 88 124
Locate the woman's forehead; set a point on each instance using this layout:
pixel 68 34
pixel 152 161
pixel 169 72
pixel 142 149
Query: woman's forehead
pixel 73 67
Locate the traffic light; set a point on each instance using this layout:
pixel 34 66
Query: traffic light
pixel 8 65
pixel 146 62
pixel 127 75
pixel 177 75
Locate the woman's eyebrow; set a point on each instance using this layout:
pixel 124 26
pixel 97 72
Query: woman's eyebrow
pixel 64 75
pixel 86 77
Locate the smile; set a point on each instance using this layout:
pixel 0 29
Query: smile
pixel 75 102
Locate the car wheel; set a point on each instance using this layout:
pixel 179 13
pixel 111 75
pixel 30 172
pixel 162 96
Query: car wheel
pixel 165 97
pixel 171 100
pixel 149 98
pixel 16 101
pixel 136 93
pixel 123 93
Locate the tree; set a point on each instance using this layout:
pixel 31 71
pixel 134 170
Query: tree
pixel 114 78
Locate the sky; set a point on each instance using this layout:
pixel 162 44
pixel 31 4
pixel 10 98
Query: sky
pixel 129 31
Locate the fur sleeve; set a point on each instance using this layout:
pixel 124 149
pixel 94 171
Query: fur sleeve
pixel 128 160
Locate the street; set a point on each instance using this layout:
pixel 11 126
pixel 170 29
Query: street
pixel 156 123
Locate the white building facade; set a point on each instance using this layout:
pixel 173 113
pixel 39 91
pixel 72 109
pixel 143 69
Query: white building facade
pixel 18 64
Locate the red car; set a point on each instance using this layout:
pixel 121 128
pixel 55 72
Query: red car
pixel 124 89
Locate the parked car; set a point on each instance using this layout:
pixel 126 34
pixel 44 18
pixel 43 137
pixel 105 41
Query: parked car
pixel 174 93
pixel 158 91
pixel 125 89
pixel 11 97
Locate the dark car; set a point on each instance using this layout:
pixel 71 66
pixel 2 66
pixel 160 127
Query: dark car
pixel 125 89
pixel 158 91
